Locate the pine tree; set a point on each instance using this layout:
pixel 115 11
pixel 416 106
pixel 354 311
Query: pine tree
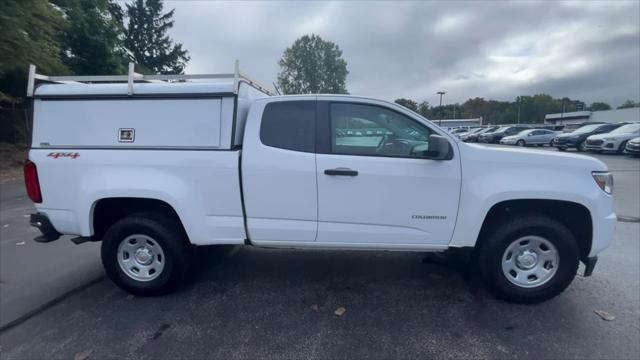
pixel 147 39
pixel 93 38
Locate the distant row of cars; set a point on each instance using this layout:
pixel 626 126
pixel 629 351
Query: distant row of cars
pixel 596 137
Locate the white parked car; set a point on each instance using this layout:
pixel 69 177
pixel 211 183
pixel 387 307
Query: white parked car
pixel 633 147
pixel 152 168
pixel 616 140
pixel 528 137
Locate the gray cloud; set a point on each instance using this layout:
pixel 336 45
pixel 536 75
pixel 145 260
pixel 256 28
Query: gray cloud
pixel 494 49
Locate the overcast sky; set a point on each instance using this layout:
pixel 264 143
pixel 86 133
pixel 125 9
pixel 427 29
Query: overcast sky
pixel 497 50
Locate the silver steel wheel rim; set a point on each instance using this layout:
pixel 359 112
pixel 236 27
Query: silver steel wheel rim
pixel 530 261
pixel 141 257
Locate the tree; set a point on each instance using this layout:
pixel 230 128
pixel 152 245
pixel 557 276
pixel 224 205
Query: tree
pixel 147 39
pixel 599 106
pixel 629 104
pixel 30 34
pixel 311 66
pixel 93 39
pixel 408 103
pixel 424 109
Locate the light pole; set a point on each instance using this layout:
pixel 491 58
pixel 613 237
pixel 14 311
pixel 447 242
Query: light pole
pixel 441 93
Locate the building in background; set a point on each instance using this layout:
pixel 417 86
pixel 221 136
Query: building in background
pixel 608 116
pixel 454 123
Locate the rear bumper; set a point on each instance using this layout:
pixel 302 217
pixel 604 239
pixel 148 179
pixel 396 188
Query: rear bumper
pixel 42 222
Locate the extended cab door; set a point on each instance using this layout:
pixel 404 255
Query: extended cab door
pixel 278 170
pixel 375 186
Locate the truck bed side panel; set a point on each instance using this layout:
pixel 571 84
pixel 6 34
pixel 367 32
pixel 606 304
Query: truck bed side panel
pixel 202 186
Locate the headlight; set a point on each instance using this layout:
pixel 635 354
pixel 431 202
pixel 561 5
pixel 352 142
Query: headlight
pixel 609 139
pixel 604 179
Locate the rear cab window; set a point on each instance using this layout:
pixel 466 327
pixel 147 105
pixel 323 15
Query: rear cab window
pixel 289 125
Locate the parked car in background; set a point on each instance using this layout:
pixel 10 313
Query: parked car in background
pixel 496 136
pixel 458 131
pixel 577 139
pixel 615 140
pixel 633 147
pixel 572 127
pixel 468 131
pixel 473 136
pixel 537 137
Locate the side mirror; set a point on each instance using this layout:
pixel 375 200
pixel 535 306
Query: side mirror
pixel 439 148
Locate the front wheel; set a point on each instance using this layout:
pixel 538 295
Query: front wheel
pixel 582 146
pixel 622 147
pixel 146 254
pixel 520 143
pixel 530 259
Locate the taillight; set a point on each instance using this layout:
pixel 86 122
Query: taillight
pixel 31 182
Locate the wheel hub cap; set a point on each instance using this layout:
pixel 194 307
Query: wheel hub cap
pixel 144 256
pixel 530 261
pixel 526 259
pixel 141 257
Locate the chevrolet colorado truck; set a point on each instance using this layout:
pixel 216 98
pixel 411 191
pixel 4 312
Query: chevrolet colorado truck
pixel 153 165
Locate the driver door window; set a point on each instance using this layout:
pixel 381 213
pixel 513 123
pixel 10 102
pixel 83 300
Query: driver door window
pixel 368 130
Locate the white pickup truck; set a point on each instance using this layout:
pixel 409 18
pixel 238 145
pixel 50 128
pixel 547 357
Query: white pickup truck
pixel 153 165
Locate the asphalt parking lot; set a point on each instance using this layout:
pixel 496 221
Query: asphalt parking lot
pixel 261 303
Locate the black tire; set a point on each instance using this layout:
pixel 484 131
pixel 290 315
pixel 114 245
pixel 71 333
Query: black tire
pixel 489 257
pixel 521 143
pixel 562 149
pixel 167 233
pixel 622 147
pixel 582 147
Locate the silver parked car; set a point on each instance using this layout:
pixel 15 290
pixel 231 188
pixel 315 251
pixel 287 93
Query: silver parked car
pixel 538 137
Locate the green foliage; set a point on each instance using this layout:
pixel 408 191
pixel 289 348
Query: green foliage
pixel 599 106
pixel 629 104
pixel 409 104
pixel 532 109
pixel 147 39
pixel 30 35
pixel 93 39
pixel 311 66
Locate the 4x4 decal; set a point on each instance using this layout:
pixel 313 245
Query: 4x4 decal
pixel 56 155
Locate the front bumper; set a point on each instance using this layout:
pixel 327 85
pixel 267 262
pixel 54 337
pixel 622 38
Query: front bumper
pixel 507 141
pixel 589 265
pixel 42 222
pixel 601 145
pixel 564 143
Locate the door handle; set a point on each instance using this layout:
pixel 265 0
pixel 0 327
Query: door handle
pixel 341 172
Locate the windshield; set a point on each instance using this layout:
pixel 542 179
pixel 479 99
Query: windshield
pixel 629 128
pixel 501 128
pixel 586 128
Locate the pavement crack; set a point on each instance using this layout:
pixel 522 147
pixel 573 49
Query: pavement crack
pixel 160 331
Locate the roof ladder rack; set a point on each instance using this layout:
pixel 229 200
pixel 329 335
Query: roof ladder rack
pixel 132 77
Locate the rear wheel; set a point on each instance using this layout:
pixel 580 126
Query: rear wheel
pixel 529 259
pixel 146 254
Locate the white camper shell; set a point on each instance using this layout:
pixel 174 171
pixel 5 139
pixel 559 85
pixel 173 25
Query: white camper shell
pixel 142 111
